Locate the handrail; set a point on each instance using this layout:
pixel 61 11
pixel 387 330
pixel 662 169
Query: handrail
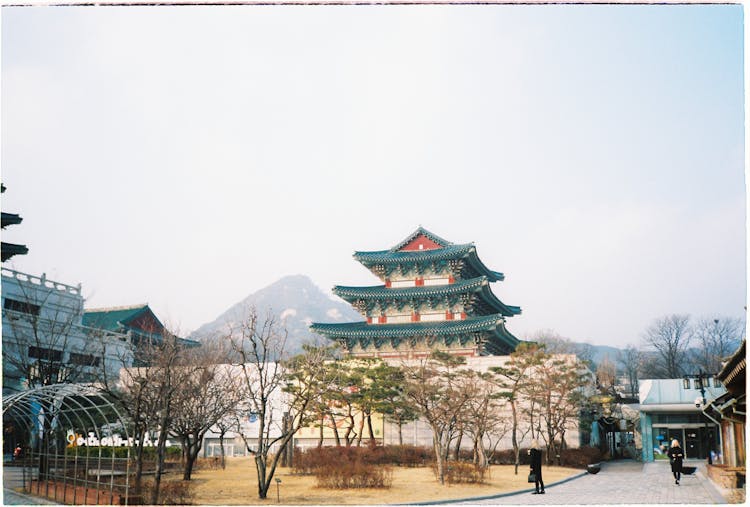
pixel 41 281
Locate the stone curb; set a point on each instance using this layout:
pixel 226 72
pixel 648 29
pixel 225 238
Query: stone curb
pixel 490 497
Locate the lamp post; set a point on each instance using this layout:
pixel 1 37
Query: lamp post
pixel 700 403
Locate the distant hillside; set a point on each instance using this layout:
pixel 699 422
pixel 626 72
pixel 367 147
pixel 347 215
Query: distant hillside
pixel 295 300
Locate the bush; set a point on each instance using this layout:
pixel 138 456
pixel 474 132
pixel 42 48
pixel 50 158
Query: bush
pixel 461 472
pixel 171 492
pixel 308 461
pixel 508 457
pixel 580 458
pixel 354 475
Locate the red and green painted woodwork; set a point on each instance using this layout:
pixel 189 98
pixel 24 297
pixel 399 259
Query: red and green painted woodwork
pixel 435 294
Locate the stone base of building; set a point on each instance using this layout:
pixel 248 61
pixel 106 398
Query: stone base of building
pixel 727 477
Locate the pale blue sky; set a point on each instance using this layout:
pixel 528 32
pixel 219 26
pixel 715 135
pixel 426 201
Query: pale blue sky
pixel 189 156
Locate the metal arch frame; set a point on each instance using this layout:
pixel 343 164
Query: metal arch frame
pixel 61 472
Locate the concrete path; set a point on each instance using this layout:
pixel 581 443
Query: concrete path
pixel 620 482
pixel 12 480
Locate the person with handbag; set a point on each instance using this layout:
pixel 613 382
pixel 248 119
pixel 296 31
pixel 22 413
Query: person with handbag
pixel 675 459
pixel 536 468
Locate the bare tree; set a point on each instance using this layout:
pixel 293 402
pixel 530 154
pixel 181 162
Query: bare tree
pixel 669 337
pixel 482 412
pixel 558 387
pixel 512 379
pixel 717 338
pixel 433 388
pixel 148 394
pixel 208 393
pixel 274 387
pixel 630 360
pixel 555 343
pixel 606 376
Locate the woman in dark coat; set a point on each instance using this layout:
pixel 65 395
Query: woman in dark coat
pixel 675 459
pixel 536 467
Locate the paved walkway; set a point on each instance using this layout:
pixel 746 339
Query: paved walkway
pixel 620 482
pixel 12 480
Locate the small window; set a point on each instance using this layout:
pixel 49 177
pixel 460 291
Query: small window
pixel 686 383
pixel 83 359
pixel 45 354
pixel 698 384
pixel 20 306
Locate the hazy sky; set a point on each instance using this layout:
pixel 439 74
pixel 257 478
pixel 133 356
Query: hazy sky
pixel 188 156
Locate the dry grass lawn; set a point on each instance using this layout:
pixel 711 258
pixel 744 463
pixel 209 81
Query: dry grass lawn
pixel 237 485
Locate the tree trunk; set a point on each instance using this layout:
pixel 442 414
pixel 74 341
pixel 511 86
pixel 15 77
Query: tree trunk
pixel 438 458
pixel 260 466
pixel 221 446
pixel 361 430
pixel 514 437
pixel 400 433
pixel 457 450
pixel 138 480
pixel 160 451
pixel 193 450
pixel 369 427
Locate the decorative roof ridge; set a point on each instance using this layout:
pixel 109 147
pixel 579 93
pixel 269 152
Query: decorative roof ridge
pixel 116 308
pixel 451 246
pixel 421 230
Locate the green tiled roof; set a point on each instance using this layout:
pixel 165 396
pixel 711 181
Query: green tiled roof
pixel 473 285
pixel 497 339
pixel 451 252
pixel 363 329
pixel 381 292
pixel 113 319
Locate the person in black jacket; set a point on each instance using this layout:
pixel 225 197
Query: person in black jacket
pixel 536 467
pixel 675 459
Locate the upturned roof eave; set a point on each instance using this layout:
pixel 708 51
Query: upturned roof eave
pixel 363 329
pixel 394 257
pixel 382 292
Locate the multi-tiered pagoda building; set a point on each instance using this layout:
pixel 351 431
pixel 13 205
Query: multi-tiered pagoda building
pixel 435 295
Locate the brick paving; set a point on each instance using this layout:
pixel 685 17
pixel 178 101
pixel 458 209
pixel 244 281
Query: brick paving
pixel 620 482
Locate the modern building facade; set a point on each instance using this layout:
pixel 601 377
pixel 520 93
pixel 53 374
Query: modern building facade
pixel 434 294
pixel 669 409
pixel 44 338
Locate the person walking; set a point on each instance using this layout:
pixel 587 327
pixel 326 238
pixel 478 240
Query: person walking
pixel 536 467
pixel 675 459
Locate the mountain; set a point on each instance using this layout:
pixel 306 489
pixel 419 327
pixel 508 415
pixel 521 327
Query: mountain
pixel 295 301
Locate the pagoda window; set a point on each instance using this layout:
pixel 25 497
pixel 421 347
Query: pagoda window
pixel 436 281
pixel 402 283
pixel 448 315
pixel 433 317
pixel 415 316
pixel 382 319
pixel 398 319
pixel 388 283
pixel 419 282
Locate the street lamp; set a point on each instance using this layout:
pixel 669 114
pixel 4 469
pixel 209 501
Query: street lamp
pixel 700 403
